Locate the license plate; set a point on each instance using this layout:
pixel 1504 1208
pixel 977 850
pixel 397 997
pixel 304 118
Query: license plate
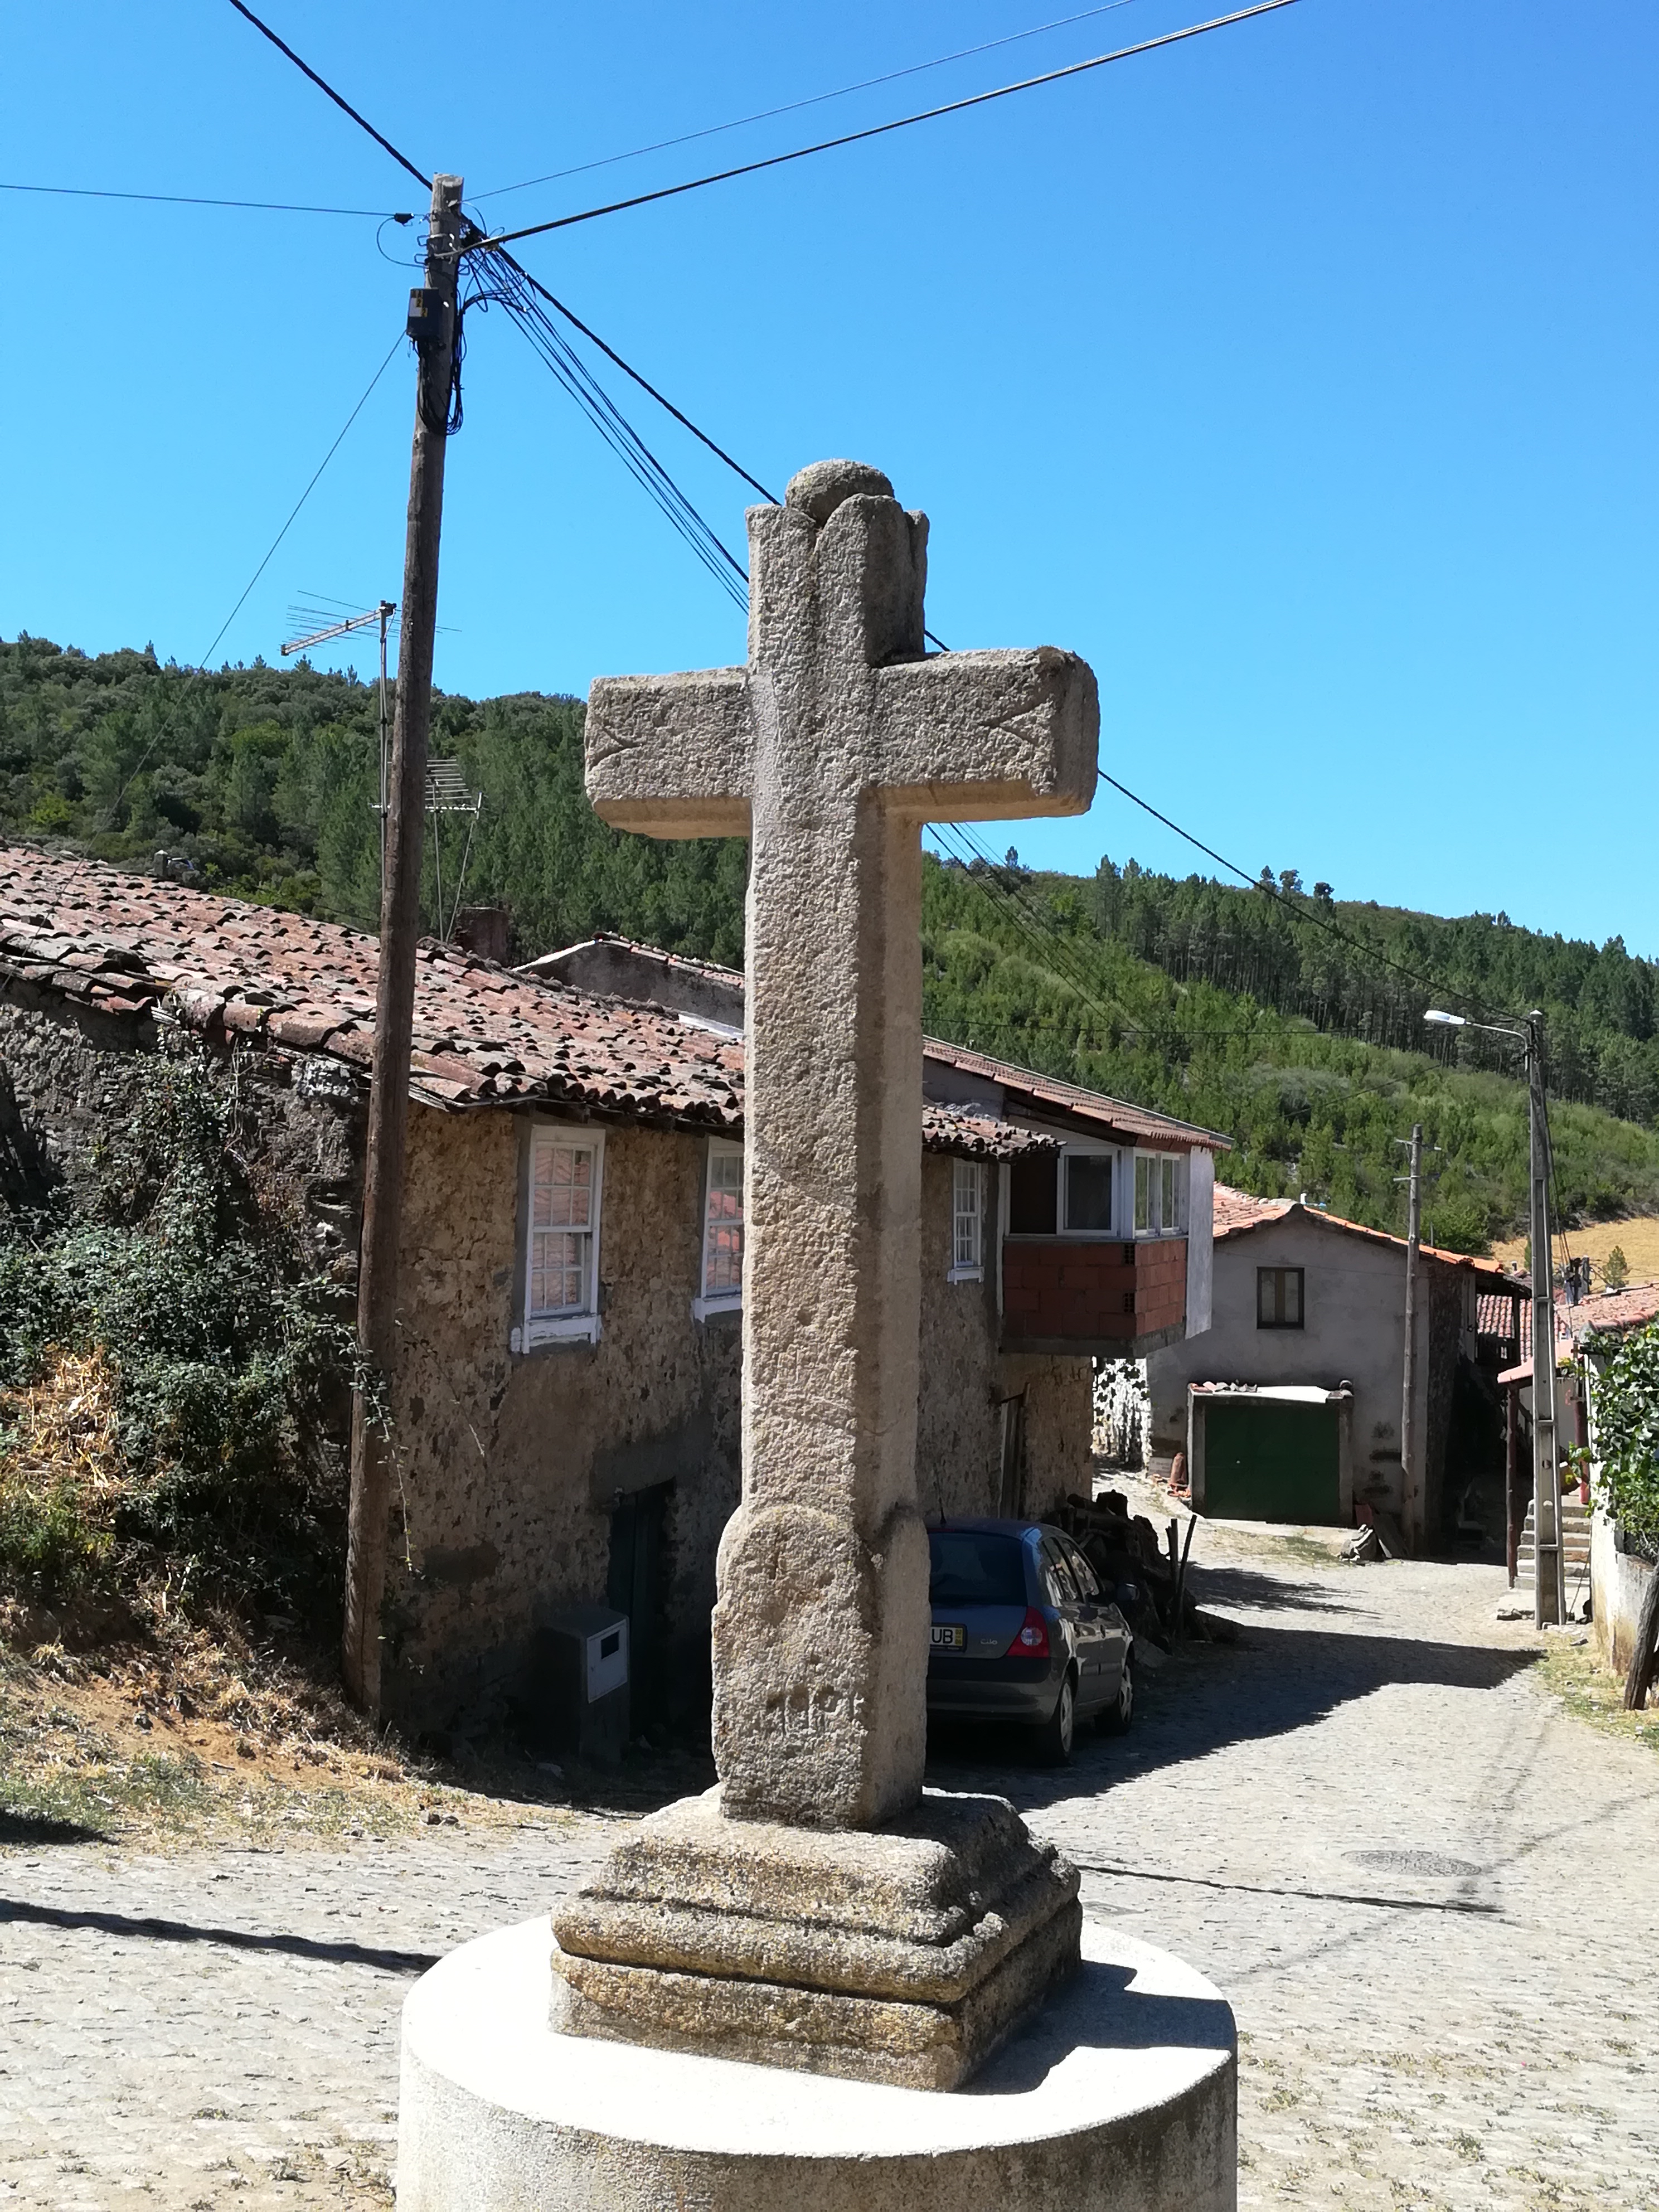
pixel 950 1637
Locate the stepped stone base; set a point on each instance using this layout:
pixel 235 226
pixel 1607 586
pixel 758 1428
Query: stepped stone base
pixel 903 1955
pixel 1120 2097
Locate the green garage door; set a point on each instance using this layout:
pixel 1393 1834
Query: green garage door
pixel 1268 1460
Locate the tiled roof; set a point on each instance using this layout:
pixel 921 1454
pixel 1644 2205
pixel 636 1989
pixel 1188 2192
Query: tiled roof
pixel 649 956
pixel 1628 1309
pixel 656 969
pixel 1521 1372
pixel 1236 1211
pixel 946 1129
pixel 1135 1122
pixel 129 946
pixel 1494 1314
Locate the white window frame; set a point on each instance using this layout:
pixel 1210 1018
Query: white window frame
pixel 578 1324
pixel 1172 1193
pixel 1113 1235
pixel 967 1176
pixel 1152 1173
pixel 707 1302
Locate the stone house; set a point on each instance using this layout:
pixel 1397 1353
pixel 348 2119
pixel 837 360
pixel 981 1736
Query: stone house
pixel 1290 1408
pixel 565 1411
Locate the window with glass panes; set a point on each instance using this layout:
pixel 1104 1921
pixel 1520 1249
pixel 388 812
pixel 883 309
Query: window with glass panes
pixel 1089 1192
pixel 1279 1302
pixel 1160 1189
pixel 722 1224
pixel 967 1244
pixel 564 1212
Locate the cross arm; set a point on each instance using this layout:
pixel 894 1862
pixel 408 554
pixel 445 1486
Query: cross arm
pixel 972 737
pixel 671 756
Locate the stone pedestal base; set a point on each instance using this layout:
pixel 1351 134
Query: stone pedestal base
pixel 1120 2096
pixel 903 1953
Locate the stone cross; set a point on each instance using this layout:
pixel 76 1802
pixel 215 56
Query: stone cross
pixel 828 751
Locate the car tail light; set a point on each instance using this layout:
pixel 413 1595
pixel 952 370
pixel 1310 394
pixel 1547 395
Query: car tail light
pixel 1030 1638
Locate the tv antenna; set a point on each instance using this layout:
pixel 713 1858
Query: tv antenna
pixel 381 614
pixel 447 793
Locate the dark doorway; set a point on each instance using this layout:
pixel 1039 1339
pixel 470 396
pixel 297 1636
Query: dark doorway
pixel 634 1586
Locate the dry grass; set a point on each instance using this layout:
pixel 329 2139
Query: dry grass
pixel 61 1458
pixel 1595 1694
pixel 1637 1238
pixel 122 1712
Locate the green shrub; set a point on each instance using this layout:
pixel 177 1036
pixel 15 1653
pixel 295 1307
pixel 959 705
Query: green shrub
pixel 230 1361
pixel 1626 1408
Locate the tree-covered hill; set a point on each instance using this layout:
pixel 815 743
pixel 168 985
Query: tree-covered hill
pixel 264 779
pixel 1225 1006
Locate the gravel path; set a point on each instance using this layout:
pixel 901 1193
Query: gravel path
pixel 1430 1896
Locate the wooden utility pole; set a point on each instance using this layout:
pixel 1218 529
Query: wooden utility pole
pixel 1547 1602
pixel 1410 1453
pixel 432 325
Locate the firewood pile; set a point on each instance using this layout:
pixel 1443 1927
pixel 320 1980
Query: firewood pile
pixel 1146 1578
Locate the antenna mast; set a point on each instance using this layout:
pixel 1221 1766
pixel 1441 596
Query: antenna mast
pixel 382 614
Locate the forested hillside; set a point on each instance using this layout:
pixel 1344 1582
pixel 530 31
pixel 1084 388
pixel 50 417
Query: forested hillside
pixel 1227 1007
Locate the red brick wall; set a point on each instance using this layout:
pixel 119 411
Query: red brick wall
pixel 1060 1288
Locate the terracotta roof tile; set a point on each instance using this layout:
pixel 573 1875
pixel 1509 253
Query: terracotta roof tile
pixel 1236 1211
pixel 1137 1123
pixel 483 1034
pixel 1628 1309
pixel 1494 1314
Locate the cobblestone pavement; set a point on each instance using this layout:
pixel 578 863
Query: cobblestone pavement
pixel 1430 1896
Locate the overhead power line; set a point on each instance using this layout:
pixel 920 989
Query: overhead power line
pixel 794 106
pixel 304 496
pixel 881 130
pixel 1318 921
pixel 611 354
pixel 339 100
pixel 202 666
pixel 196 199
pixel 499 281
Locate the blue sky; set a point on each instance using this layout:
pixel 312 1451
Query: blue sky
pixel 1301 377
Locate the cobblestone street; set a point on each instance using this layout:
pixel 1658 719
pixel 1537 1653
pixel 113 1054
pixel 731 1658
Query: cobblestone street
pixel 1428 1891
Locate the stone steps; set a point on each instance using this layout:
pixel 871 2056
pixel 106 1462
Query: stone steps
pixel 1575 1547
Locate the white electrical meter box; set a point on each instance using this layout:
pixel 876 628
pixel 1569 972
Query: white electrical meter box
pixel 575 1696
pixel 607 1660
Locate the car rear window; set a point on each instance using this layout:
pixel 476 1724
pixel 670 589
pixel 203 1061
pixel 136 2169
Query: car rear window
pixel 971 1567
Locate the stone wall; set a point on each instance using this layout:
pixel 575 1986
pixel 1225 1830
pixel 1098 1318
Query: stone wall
pixel 75 1073
pixel 511 1469
pixel 1447 1296
pixel 1059 1418
pixel 1618 1583
pixel 511 1466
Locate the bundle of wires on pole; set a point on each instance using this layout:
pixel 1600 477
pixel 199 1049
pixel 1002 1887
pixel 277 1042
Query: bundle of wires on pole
pixel 495 279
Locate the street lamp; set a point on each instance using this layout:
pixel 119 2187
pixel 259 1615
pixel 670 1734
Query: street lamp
pixel 1548 1600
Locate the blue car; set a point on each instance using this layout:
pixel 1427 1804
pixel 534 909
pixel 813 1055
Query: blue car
pixel 1023 1631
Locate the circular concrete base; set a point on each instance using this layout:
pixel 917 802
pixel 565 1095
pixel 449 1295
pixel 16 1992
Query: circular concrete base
pixel 1120 2097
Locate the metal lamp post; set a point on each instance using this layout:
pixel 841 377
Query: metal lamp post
pixel 1549 1596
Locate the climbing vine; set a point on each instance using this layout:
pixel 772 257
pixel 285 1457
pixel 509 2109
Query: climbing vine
pixel 1626 1403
